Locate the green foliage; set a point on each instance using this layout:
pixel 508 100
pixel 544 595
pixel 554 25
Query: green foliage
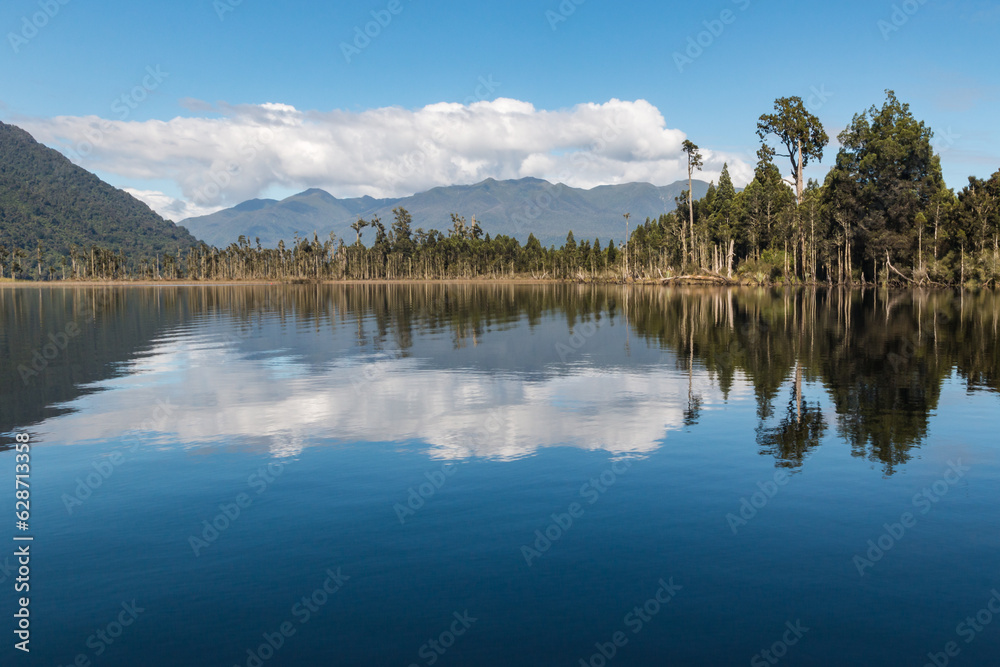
pixel 886 174
pixel 798 131
pixel 978 213
pixel 47 202
pixel 402 235
pixel 763 270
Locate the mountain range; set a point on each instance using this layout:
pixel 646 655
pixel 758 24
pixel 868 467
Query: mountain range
pixel 515 208
pixel 47 200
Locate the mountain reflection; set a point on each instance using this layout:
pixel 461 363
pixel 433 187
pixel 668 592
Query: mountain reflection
pixel 494 371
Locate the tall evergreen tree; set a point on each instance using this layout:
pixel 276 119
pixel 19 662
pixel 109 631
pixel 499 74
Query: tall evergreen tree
pixel 694 161
pixel 724 218
pixel 886 173
pixel 402 235
pixel 799 132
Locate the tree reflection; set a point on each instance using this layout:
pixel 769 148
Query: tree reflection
pixel 799 432
pixel 876 359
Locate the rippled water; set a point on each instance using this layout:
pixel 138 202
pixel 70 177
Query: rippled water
pixel 505 475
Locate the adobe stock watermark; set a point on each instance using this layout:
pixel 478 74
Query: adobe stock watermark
pixel 900 16
pixel 301 612
pixel 418 496
pixel 533 209
pixel 577 340
pixel 105 637
pixel 923 501
pixel 374 371
pixel 128 102
pixel 219 180
pixel 946 141
pixel 969 629
pixel 591 491
pixel 415 161
pixel 122 108
pixel 59 342
pixel 6 570
pixel 749 507
pixel 699 43
pixel 234 339
pixel 635 621
pixel 435 648
pixel 259 481
pixel 106 467
pixel 818 97
pixel 372 30
pixel 562 13
pixel 30 26
pixel 223 7
pixel 779 649
pixel 752 331
pixel 912 345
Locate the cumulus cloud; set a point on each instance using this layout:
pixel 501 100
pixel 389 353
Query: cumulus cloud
pixel 243 150
pixel 169 207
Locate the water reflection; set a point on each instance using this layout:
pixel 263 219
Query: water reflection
pixel 493 371
pixel 880 358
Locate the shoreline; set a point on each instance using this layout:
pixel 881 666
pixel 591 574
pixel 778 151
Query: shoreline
pixel 294 283
pixel 683 281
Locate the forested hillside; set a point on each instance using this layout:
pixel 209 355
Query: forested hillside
pixel 51 209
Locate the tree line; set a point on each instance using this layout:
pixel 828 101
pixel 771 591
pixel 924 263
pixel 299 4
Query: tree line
pixel 883 215
pixel 397 253
pixel 48 205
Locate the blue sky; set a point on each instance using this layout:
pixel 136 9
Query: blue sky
pixel 219 62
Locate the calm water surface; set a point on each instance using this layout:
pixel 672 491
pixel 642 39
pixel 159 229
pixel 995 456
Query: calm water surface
pixel 504 475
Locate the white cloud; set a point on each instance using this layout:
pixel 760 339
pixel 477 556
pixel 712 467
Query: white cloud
pixel 456 414
pixel 244 150
pixel 169 207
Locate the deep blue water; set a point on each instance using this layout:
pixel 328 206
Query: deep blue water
pixel 402 447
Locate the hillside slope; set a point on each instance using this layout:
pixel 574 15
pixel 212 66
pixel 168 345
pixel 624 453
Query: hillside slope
pixel 46 198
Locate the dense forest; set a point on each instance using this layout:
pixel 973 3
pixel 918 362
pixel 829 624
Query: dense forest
pixel 882 215
pixel 49 207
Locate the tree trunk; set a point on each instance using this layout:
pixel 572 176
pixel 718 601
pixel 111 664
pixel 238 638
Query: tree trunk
pixel 996 248
pixel 920 250
pixel 812 241
pixel 798 393
pixel 798 177
pixel 937 220
pixel 691 207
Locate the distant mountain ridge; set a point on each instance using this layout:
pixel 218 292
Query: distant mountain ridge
pixel 45 198
pixel 515 208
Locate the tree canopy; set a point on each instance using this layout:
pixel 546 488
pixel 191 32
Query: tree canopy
pixel 800 132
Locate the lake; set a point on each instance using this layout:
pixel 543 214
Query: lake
pixel 503 475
